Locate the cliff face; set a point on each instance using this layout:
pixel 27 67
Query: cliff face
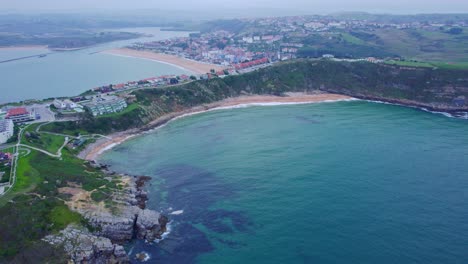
pixel 113 222
pixel 84 247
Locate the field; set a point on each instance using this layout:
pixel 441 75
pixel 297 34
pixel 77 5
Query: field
pixel 48 142
pixel 423 45
pixel 442 65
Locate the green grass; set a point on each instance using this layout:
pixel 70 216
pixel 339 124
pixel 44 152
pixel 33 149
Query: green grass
pixel 352 39
pixel 424 45
pixel 44 141
pixel 8 150
pixel 411 63
pixel 61 217
pixel 442 65
pixel 61 127
pixel 99 196
pixel 455 66
pixel 27 177
pixel 32 209
pixel 47 142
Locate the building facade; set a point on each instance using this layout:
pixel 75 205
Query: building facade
pixel 106 105
pixel 20 115
pixel 6 130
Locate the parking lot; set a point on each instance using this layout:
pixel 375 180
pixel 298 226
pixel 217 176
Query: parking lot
pixel 43 111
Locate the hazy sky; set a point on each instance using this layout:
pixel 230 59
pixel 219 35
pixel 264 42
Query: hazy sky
pixel 304 6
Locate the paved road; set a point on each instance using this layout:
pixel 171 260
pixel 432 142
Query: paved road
pixel 44 111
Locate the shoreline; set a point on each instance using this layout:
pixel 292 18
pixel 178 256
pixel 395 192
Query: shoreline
pixel 96 149
pixel 24 47
pixel 186 64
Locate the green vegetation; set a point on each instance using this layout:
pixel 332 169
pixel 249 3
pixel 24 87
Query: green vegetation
pixel 47 142
pixel 352 39
pixel 409 44
pixel 99 196
pixel 425 86
pixel 342 45
pixel 61 216
pixel 410 63
pixel 423 45
pixel 35 208
pixel 455 66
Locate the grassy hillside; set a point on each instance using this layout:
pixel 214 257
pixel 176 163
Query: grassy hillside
pixel 436 88
pixel 439 46
pixel 35 207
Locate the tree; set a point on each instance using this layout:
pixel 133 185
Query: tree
pixel 455 31
pixel 192 77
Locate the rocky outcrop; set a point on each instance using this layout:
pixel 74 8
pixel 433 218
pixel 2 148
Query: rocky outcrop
pixel 84 247
pixel 126 219
pixel 149 229
pixel 119 227
pixel 133 222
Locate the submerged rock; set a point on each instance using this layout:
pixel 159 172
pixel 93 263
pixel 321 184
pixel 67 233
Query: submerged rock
pixel 142 257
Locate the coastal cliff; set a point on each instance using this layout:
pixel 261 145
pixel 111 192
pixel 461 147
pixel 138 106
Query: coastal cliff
pixel 444 90
pixel 123 218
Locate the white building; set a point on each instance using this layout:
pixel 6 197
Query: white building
pixel 247 39
pixel 65 104
pixel 106 105
pixel 6 130
pixel 70 104
pixel 59 104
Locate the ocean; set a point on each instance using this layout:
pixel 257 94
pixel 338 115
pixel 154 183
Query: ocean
pixel 74 72
pixel 342 182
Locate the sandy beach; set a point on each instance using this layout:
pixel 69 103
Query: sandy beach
pixel 190 65
pixel 28 47
pixel 92 151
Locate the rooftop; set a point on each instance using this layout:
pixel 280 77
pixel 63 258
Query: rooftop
pixel 17 111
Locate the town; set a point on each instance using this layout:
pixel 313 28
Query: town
pixel 255 41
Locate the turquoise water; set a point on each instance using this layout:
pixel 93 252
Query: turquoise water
pixel 346 182
pixel 71 73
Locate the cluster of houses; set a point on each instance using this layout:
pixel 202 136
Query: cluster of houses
pixel 67 104
pixel 218 47
pixel 5 161
pixel 249 64
pixel 105 104
pixel 148 82
pixel 5 157
pixel 275 38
